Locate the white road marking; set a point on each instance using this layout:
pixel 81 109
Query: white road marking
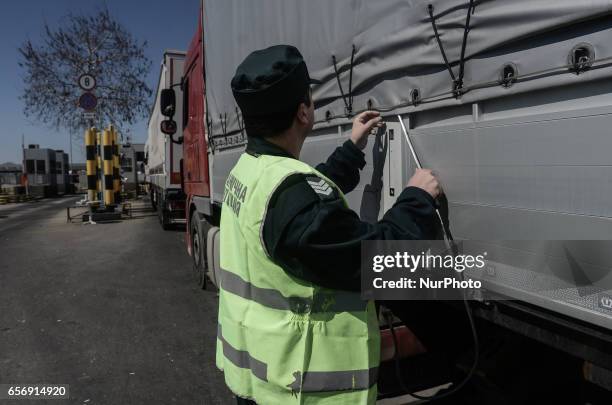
pixel 12 211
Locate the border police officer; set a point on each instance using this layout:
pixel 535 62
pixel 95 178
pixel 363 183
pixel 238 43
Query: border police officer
pixel 292 327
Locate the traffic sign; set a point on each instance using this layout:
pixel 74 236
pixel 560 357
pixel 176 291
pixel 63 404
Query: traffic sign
pixel 88 101
pixel 89 115
pixel 87 82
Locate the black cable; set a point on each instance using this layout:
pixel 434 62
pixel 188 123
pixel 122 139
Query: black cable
pixel 437 35
pixel 209 125
pixel 348 104
pixel 223 119
pixel 457 81
pixel 466 30
pixel 339 84
pixel 350 88
pixel 241 127
pixel 455 388
pixel 240 121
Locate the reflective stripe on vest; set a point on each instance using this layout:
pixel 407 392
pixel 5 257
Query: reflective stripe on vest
pixel 325 381
pixel 310 381
pixel 336 302
pixel 242 358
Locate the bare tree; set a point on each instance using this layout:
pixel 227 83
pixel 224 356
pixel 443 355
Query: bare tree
pixel 97 45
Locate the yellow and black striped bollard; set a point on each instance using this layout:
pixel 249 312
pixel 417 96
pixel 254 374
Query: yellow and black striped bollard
pixel 99 165
pixel 107 154
pixel 116 175
pixel 92 156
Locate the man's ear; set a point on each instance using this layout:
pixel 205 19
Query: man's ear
pixel 302 114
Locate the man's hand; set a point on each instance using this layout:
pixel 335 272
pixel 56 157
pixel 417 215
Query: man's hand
pixel 425 180
pixel 363 124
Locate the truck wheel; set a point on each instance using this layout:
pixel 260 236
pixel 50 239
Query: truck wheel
pixel 198 249
pixel 162 214
pixel 153 200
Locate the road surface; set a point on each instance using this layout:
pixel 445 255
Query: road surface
pixel 111 309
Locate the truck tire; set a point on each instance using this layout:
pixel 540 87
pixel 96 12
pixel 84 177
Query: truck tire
pixel 197 233
pixel 162 214
pixel 153 198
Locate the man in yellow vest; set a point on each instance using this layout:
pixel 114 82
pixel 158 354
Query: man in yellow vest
pixel 292 326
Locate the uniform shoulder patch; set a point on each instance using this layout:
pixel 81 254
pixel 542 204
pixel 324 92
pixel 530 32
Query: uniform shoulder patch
pixel 321 187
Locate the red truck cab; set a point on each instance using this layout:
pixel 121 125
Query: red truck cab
pixel 195 160
pixel 200 212
pixel 195 176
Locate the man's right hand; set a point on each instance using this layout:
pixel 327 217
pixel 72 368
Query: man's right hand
pixel 425 180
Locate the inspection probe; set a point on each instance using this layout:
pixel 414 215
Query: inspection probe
pixel 448 238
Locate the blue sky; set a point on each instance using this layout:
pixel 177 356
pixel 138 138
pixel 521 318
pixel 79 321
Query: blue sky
pixel 168 24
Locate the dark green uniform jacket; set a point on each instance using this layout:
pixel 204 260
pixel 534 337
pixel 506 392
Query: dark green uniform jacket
pixel 313 236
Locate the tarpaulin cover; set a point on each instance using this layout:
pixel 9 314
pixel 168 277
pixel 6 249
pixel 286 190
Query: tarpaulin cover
pixel 157 147
pixel 395 46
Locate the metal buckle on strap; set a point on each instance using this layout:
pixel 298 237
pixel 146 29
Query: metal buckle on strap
pixel 300 305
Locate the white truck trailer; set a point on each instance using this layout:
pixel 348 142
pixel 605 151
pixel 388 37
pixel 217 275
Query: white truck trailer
pixel 163 154
pixel 509 101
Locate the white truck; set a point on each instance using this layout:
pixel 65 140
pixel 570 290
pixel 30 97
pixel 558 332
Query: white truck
pixel 163 154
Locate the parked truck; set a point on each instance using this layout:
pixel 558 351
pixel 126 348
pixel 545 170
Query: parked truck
pixel 163 154
pixel 510 102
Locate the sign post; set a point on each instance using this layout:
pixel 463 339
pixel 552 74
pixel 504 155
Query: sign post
pixel 88 101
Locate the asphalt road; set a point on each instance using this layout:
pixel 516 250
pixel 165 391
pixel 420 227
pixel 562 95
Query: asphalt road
pixel 110 309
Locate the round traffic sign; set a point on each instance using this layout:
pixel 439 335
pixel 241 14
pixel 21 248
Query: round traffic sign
pixel 88 101
pixel 87 82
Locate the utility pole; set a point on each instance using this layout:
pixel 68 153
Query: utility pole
pixel 24 174
pixel 134 165
pixel 70 146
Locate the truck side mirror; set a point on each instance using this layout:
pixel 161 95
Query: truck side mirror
pixel 168 127
pixel 167 103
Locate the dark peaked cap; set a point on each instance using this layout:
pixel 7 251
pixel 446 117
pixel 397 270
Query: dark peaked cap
pixel 272 80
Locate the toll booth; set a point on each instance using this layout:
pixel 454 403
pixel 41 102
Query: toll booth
pixel 41 169
pixel 62 167
pixel 132 157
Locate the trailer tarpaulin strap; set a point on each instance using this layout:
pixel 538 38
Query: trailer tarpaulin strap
pixel 209 125
pixel 241 126
pixel 223 119
pixel 430 8
pixel 457 81
pixel 466 31
pixel 347 98
pixel 398 53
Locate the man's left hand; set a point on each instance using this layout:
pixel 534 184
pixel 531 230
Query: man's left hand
pixel 363 125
